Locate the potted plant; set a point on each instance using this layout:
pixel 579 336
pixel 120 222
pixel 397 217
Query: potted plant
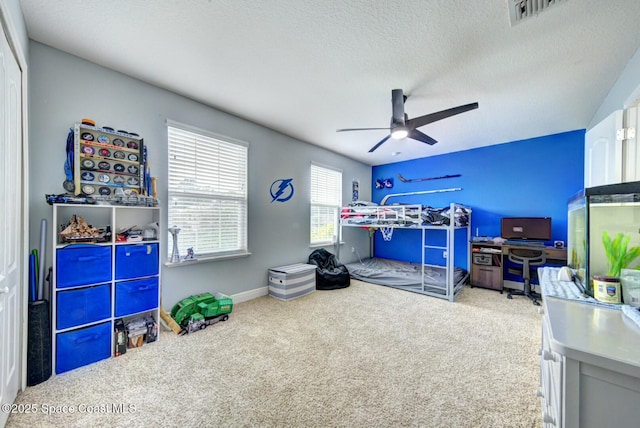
pixel 619 256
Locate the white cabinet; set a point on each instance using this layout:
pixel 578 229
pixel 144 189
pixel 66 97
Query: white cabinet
pixel 96 284
pixel 611 154
pixel 551 365
pixel 589 366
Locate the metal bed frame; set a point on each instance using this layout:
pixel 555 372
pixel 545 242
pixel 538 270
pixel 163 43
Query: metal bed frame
pixel 404 217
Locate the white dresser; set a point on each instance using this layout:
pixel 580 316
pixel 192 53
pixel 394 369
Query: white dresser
pixel 589 366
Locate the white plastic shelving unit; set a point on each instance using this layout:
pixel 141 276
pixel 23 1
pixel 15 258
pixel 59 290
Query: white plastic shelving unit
pixel 88 288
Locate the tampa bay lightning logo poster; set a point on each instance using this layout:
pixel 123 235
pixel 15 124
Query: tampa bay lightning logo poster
pixel 384 183
pixel 281 190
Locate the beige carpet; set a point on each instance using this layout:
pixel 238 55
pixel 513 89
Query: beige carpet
pixel 365 356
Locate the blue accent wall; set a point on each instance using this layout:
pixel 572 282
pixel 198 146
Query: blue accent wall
pixel 527 178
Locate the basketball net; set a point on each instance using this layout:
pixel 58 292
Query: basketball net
pixel 387 233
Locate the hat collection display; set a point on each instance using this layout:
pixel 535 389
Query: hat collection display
pixel 106 160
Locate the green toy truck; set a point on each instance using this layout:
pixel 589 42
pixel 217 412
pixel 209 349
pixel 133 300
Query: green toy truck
pixel 200 310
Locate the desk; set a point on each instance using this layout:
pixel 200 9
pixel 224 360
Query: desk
pixel 487 262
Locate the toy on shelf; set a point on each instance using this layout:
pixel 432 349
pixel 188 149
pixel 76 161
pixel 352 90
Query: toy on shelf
pixel 78 230
pixel 198 311
pixel 136 331
pixel 175 253
pixel 65 198
pixel 191 256
pixel 140 330
pixel 129 234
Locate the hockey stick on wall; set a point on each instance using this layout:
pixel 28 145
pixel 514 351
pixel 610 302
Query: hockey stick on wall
pixel 424 192
pixel 414 180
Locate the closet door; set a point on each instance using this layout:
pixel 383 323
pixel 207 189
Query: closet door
pixel 10 223
pixel 631 149
pixel 603 152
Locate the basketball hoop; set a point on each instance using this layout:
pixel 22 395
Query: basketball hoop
pixel 387 233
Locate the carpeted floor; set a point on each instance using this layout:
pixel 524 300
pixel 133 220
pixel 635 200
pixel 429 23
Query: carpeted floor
pixel 364 356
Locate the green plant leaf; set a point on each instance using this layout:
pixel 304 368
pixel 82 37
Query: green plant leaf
pixel 631 255
pixel 620 243
pixel 616 252
pixel 608 250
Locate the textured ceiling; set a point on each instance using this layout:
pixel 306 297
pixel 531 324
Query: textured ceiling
pixel 309 67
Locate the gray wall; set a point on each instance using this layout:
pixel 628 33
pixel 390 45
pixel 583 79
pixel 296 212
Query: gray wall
pixel 624 92
pixel 64 89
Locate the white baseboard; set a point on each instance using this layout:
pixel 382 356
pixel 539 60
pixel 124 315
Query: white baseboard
pixel 250 295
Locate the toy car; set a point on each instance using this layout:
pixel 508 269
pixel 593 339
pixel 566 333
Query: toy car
pixel 200 310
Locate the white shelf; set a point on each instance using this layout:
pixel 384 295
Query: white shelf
pixel 115 217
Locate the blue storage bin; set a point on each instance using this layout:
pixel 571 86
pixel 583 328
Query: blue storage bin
pixel 82 264
pixel 84 346
pixel 83 306
pixel 136 296
pixel 134 261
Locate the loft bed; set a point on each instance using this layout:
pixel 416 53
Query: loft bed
pixel 443 281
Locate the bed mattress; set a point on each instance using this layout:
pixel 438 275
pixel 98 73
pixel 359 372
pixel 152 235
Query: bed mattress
pixel 400 274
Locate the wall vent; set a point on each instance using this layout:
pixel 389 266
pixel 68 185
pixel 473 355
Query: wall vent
pixel 519 10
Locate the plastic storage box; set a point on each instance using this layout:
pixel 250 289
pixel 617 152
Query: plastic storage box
pixel 136 296
pixel 82 264
pixel 84 346
pixel 83 306
pixel 630 282
pixel 291 281
pixel 135 261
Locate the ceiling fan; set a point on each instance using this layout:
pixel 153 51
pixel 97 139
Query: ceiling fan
pixel 403 127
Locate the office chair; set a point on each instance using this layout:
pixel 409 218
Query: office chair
pixel 527 258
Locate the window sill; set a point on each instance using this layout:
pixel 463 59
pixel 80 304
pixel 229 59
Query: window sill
pixel 326 244
pixel 206 260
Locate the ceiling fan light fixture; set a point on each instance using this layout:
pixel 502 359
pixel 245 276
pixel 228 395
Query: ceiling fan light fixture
pixel 403 127
pixel 399 133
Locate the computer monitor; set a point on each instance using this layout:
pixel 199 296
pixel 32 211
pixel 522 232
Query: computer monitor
pixel 529 228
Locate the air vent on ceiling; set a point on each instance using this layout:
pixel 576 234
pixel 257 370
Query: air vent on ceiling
pixel 519 10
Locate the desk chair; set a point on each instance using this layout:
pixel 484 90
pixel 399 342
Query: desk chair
pixel 527 258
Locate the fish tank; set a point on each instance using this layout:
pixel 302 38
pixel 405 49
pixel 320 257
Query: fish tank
pixel 577 236
pixel 597 214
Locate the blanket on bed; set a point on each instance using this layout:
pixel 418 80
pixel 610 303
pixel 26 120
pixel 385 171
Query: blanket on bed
pixel 396 273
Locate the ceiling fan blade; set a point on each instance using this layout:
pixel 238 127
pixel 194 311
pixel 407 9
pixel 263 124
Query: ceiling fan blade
pixel 397 101
pixel 359 129
pixel 379 143
pixel 417 122
pixel 414 134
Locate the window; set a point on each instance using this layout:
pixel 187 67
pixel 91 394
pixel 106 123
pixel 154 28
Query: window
pixel 326 201
pixel 207 192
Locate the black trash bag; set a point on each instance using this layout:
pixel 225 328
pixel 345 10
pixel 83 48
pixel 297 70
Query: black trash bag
pixel 330 274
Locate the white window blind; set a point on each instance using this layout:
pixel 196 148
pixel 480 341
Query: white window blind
pixel 207 191
pixel 326 201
